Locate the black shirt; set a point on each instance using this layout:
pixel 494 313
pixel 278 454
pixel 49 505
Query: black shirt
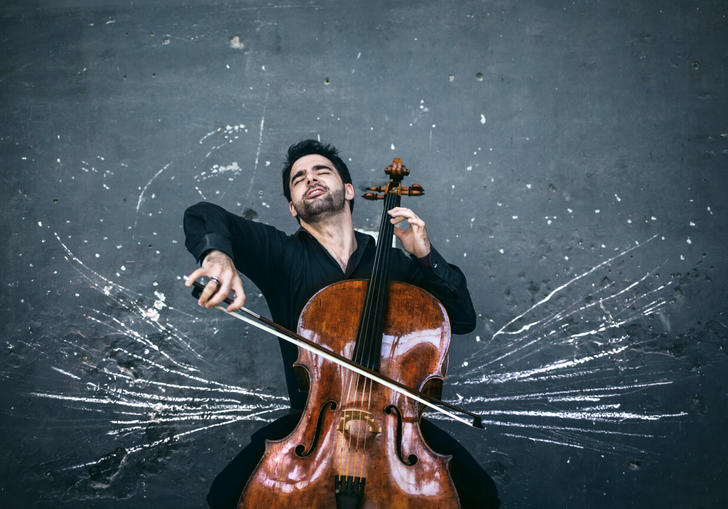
pixel 290 269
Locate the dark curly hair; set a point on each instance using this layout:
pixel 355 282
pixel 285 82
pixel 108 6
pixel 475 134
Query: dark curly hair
pixel 308 147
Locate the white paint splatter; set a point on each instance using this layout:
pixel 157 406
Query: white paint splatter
pixel 236 43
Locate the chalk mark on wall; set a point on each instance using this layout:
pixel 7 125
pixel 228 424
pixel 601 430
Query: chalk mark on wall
pixel 565 372
pixel 577 342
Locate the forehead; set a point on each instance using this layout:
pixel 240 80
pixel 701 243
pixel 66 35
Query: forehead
pixel 309 161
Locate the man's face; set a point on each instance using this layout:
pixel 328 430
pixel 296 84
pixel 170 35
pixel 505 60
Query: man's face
pixel 317 190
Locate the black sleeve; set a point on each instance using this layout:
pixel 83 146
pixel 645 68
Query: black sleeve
pixel 255 248
pixel 447 283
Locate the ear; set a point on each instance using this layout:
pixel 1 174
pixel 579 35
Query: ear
pixel 349 192
pixel 292 209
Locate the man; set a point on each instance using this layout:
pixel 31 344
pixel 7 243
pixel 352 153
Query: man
pixel 290 269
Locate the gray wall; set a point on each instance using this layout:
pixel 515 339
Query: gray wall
pixel 574 158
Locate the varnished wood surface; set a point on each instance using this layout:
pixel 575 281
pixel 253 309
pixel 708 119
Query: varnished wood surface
pixel 413 355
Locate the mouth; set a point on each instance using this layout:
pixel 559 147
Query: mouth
pixel 314 192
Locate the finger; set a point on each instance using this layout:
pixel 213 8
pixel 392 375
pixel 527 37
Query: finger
pixel 400 233
pixel 194 276
pixel 208 291
pixel 419 231
pixel 413 221
pixel 397 214
pixel 239 295
pixel 416 222
pixel 220 292
pixel 401 211
pixel 411 217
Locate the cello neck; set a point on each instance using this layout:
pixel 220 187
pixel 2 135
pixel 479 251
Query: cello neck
pixel 367 351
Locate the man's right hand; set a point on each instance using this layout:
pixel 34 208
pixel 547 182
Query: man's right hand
pixel 223 277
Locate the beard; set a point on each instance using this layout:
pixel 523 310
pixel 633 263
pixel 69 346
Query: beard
pixel 322 206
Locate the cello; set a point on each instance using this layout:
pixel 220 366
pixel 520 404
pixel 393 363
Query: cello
pixel 358 442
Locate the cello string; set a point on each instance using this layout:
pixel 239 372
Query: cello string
pixel 360 357
pixel 363 353
pixel 379 282
pixel 343 456
pixel 363 348
pixel 375 328
pixel 378 287
pixel 347 453
pixel 362 451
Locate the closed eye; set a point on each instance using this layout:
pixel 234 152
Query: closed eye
pixel 297 177
pixel 300 175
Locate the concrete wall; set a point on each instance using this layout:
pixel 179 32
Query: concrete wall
pixel 574 158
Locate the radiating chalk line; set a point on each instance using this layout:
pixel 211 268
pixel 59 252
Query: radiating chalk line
pixel 590 387
pixel 141 194
pixel 261 130
pixel 203 401
pixel 560 288
pixel 105 288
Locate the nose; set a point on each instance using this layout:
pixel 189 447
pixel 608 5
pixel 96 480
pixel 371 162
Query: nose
pixel 311 178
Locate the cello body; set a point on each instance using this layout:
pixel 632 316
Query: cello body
pixel 369 436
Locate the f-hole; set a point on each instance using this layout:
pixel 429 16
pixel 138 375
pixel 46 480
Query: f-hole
pixel 411 459
pixel 300 449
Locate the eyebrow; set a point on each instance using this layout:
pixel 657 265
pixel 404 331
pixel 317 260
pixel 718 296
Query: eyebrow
pixel 315 167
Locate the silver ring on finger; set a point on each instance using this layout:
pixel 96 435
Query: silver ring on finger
pixel 217 281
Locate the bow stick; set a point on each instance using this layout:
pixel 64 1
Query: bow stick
pixel 271 327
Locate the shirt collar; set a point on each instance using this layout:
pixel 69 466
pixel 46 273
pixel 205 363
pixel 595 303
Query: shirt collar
pixel 364 242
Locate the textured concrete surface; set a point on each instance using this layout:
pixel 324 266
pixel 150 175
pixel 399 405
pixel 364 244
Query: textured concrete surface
pixel 574 159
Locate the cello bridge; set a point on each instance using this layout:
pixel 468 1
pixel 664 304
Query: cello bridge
pixel 356 422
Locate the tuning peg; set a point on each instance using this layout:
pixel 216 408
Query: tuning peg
pixel 413 190
pixel 372 196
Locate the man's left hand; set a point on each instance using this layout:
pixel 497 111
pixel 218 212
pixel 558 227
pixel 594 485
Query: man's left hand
pixel 414 240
